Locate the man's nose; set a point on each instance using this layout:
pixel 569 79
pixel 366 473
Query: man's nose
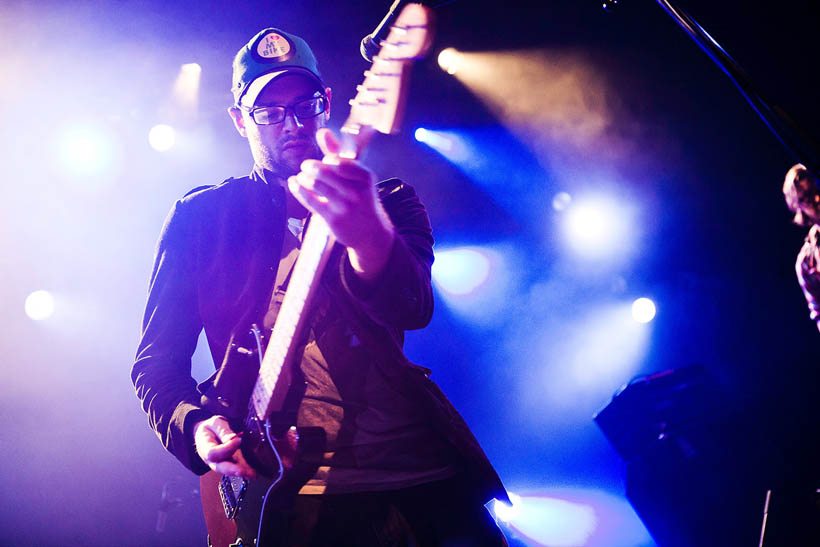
pixel 291 121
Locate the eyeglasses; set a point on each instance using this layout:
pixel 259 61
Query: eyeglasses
pixel 273 114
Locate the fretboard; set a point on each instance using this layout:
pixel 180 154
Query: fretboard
pixel 317 245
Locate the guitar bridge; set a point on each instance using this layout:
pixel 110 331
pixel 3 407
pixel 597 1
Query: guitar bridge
pixel 232 491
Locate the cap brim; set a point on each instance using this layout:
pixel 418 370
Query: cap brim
pixel 248 99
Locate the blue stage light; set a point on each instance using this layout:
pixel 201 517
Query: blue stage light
pixel 584 351
pixel 572 518
pixel 461 271
pixel 506 512
pixel 497 162
pixel 561 201
pixel 440 141
pixel 599 228
pixel 643 310
pixel 478 283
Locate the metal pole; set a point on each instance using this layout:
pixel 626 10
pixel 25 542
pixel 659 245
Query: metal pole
pixel 793 137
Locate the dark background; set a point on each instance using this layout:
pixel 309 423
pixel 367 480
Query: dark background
pixel 717 248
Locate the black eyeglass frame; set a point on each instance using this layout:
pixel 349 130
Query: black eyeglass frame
pixel 287 107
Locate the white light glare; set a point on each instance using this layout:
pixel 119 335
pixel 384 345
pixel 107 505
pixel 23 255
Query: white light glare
pixel 561 201
pixel 588 224
pixel 162 137
pixel 598 228
pixel 192 68
pixel 460 271
pixel 505 512
pixel 434 139
pixel 186 90
pixel 549 520
pixel 85 150
pixel 448 60
pixel 39 305
pixel 643 310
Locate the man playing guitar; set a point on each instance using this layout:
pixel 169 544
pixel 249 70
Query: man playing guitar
pixel 803 198
pixel 397 465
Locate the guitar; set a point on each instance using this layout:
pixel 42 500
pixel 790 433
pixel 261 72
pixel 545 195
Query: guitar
pixel 241 512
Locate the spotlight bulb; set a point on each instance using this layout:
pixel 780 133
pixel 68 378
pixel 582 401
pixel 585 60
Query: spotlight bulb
pixel 448 59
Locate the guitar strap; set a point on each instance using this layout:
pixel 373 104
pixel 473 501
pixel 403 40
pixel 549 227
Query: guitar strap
pixel 233 380
pixel 289 253
pixel 291 242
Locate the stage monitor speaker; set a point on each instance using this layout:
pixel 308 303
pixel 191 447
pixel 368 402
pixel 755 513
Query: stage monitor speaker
pixel 691 472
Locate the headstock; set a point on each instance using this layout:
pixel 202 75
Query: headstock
pixel 379 101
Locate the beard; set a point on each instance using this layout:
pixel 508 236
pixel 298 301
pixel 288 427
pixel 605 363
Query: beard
pixel 284 157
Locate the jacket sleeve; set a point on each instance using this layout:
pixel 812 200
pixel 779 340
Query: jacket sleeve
pixel 170 329
pixel 401 296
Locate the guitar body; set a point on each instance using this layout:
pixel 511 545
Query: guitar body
pixel 244 527
pixel 241 512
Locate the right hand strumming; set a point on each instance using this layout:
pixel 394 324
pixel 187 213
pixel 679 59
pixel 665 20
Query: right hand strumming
pixel 218 446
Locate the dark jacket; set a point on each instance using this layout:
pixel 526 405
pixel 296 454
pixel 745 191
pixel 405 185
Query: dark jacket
pixel 215 265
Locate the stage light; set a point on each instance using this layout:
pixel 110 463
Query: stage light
pixel 437 140
pixel 598 228
pixel 643 310
pixel 555 101
pixel 478 283
pixel 556 522
pixel 460 271
pixel 39 305
pixel 162 137
pixel 573 518
pixel 186 91
pixel 448 60
pixel 561 201
pixel 506 512
pixel 85 150
pixel 588 225
pixel 191 68
pixel 608 346
pixel 581 358
pixel 497 162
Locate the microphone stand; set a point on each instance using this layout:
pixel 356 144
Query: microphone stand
pixel 793 137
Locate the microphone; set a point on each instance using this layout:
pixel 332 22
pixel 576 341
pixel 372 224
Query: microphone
pixel 372 43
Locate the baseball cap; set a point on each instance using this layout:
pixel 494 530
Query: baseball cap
pixel 270 54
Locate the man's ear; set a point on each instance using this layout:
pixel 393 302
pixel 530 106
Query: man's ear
pixel 238 121
pixel 327 110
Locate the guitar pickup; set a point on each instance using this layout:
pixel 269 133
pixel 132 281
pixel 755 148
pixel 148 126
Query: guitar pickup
pixel 232 491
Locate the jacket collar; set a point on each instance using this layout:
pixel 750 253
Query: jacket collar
pixel 268 177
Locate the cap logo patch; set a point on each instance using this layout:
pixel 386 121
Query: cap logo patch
pixel 272 46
